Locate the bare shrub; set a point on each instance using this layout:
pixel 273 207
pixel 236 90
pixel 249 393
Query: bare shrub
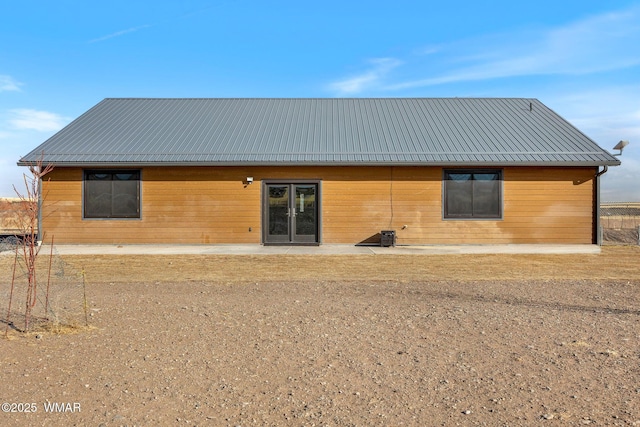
pixel 33 277
pixel 61 310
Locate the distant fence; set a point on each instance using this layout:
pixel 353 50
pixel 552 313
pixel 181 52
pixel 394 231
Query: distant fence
pixel 11 225
pixel 10 216
pixel 620 223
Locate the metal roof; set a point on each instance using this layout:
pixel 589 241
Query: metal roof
pixel 321 131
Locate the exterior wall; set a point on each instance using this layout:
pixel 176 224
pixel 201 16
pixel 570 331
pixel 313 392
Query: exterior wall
pixel 214 205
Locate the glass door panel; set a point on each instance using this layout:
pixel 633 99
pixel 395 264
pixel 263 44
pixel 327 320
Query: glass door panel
pixel 278 213
pixel 306 224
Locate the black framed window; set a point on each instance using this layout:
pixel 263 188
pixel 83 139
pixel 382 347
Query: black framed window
pixel 473 194
pixel 112 194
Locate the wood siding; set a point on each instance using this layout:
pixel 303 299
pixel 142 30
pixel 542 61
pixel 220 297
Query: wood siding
pixel 208 205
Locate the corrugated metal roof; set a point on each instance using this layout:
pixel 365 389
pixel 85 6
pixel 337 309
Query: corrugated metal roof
pixel 321 131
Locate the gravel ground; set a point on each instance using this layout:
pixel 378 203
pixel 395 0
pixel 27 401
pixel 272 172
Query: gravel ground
pixel 337 353
pixel 628 236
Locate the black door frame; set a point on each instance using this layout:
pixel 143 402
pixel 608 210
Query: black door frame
pixel 265 210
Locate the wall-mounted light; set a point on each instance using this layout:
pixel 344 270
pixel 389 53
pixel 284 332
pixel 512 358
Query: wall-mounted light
pixel 249 180
pixel 620 146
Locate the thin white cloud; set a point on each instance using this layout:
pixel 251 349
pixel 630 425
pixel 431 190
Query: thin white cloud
pixel 9 84
pixel 607 114
pixel 429 50
pixel 119 33
pixel 367 80
pixel 604 42
pixel 41 121
pixel 619 184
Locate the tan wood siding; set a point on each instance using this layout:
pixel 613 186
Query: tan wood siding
pixel 214 205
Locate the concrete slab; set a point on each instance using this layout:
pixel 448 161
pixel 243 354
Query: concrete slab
pixel 490 249
pixel 316 250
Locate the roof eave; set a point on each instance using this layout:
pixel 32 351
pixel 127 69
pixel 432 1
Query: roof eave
pixel 329 163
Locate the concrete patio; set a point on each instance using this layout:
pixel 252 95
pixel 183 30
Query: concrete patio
pixel 167 249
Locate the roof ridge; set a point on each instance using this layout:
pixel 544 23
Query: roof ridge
pixel 324 98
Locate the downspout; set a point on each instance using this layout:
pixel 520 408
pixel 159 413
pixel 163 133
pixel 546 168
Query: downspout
pixel 40 231
pixel 603 171
pixel 598 229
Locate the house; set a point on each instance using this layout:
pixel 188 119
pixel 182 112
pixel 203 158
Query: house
pixel 313 171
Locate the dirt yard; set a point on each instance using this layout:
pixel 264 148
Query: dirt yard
pixel 491 340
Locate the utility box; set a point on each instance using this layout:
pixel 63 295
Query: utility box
pixel 387 238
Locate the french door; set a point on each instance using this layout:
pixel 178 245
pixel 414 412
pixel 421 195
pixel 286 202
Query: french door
pixel 290 213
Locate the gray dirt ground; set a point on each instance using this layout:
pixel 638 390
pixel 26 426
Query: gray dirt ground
pixel 394 350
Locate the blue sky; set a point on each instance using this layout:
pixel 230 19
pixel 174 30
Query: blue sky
pixel 581 58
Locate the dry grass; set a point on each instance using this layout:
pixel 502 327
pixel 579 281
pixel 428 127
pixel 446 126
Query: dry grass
pixel 620 262
pixel 613 263
pixel 48 327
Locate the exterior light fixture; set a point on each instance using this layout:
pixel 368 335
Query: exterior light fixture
pixel 249 180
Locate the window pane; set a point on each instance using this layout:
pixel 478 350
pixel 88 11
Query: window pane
pixel 485 176
pixel 486 197
pixel 97 199
pixel 459 191
pixel 99 176
pixel 112 194
pixel 128 176
pixel 460 176
pixel 125 199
